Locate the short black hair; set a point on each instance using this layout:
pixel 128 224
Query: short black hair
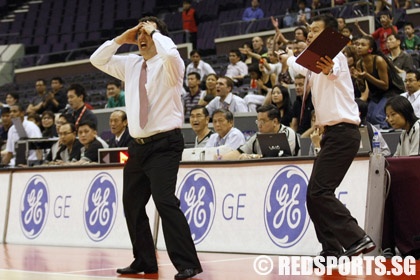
pixel 329 20
pixel 114 82
pixel 197 76
pixel 78 89
pixel 124 114
pixel 89 123
pixel 59 79
pixel 197 107
pixel 161 25
pixel 228 114
pixel 272 111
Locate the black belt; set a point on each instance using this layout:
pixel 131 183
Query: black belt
pixel 156 137
pixel 343 124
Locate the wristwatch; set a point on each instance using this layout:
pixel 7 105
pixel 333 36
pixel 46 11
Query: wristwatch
pixel 317 150
pixel 153 32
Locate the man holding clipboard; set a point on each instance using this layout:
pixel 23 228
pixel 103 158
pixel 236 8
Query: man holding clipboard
pixel 328 75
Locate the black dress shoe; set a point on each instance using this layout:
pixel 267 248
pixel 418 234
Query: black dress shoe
pixel 364 245
pixel 131 270
pixel 327 254
pixel 188 273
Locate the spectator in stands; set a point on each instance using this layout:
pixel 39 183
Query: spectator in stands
pixel 199 120
pixel 341 23
pixel 301 121
pixel 348 32
pixel 401 60
pixel 400 115
pixel 412 84
pixel 119 128
pixel 69 145
pixel 258 48
pixel 37 103
pixel 411 40
pixel 189 23
pixel 31 129
pixel 11 98
pixel 316 5
pixel 225 98
pixel 303 13
pixel 56 99
pixel 268 121
pixel 284 78
pixel 76 95
pixel 383 32
pixel 47 124
pixel 209 93
pixel 264 82
pixel 273 65
pixel 61 120
pixel 236 69
pixel 192 96
pixel 226 134
pixel 280 98
pixel 115 95
pixel 300 33
pixel 374 71
pixel 87 136
pixel 198 66
pixel 254 12
pixel 6 123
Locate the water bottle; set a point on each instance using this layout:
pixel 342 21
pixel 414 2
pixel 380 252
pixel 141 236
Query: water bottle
pixel 376 144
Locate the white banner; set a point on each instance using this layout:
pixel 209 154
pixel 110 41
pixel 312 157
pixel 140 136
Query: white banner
pixel 71 207
pixel 259 208
pixel 4 195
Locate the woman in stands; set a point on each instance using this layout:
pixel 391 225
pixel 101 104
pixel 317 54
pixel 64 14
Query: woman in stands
pixel 209 93
pixel 373 70
pixel 48 125
pixel 279 97
pixel 400 115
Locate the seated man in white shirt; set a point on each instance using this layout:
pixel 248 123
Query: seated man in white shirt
pixel 412 85
pixel 225 98
pixel 268 121
pixel 32 131
pixel 226 134
pixel 236 69
pixel 198 66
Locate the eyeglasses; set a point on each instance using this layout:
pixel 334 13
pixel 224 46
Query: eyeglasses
pixel 410 81
pixel 261 122
pixel 64 133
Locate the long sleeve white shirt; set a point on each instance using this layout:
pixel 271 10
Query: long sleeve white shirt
pixel 332 95
pixel 164 84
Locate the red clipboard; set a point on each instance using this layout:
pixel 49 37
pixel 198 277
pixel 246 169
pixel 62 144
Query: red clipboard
pixel 329 42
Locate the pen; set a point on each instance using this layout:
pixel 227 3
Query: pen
pixel 218 154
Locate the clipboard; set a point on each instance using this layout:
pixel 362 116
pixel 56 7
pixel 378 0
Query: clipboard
pixel 329 42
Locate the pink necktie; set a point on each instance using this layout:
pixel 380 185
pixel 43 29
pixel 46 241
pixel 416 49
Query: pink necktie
pixel 144 103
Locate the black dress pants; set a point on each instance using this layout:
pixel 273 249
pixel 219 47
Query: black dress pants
pixel 151 170
pixel 335 227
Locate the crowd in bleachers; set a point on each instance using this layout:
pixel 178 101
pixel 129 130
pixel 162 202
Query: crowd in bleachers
pixel 256 74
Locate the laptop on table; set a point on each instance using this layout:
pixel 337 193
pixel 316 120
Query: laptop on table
pixel 274 144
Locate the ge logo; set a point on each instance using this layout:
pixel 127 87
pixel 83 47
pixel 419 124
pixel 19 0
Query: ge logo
pixel 198 199
pixel 100 207
pixel 34 207
pixel 285 215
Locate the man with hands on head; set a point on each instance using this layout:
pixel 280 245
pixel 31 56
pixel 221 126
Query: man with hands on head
pixel 155 116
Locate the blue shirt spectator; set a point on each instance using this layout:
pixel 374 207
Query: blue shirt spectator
pixel 254 12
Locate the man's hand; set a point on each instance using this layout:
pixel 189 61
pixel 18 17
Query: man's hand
pixel 129 36
pixel 325 64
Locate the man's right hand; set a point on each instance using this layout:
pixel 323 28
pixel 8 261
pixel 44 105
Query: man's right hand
pixel 129 36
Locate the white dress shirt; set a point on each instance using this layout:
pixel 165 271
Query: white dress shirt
pixel 233 139
pixel 332 95
pixel 164 84
pixel 235 70
pixel 203 68
pixel 414 100
pixel 32 131
pixel 232 103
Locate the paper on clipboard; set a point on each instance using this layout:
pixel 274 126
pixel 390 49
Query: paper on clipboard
pixel 328 43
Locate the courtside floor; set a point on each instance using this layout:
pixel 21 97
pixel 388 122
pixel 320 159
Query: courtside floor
pixel 18 262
